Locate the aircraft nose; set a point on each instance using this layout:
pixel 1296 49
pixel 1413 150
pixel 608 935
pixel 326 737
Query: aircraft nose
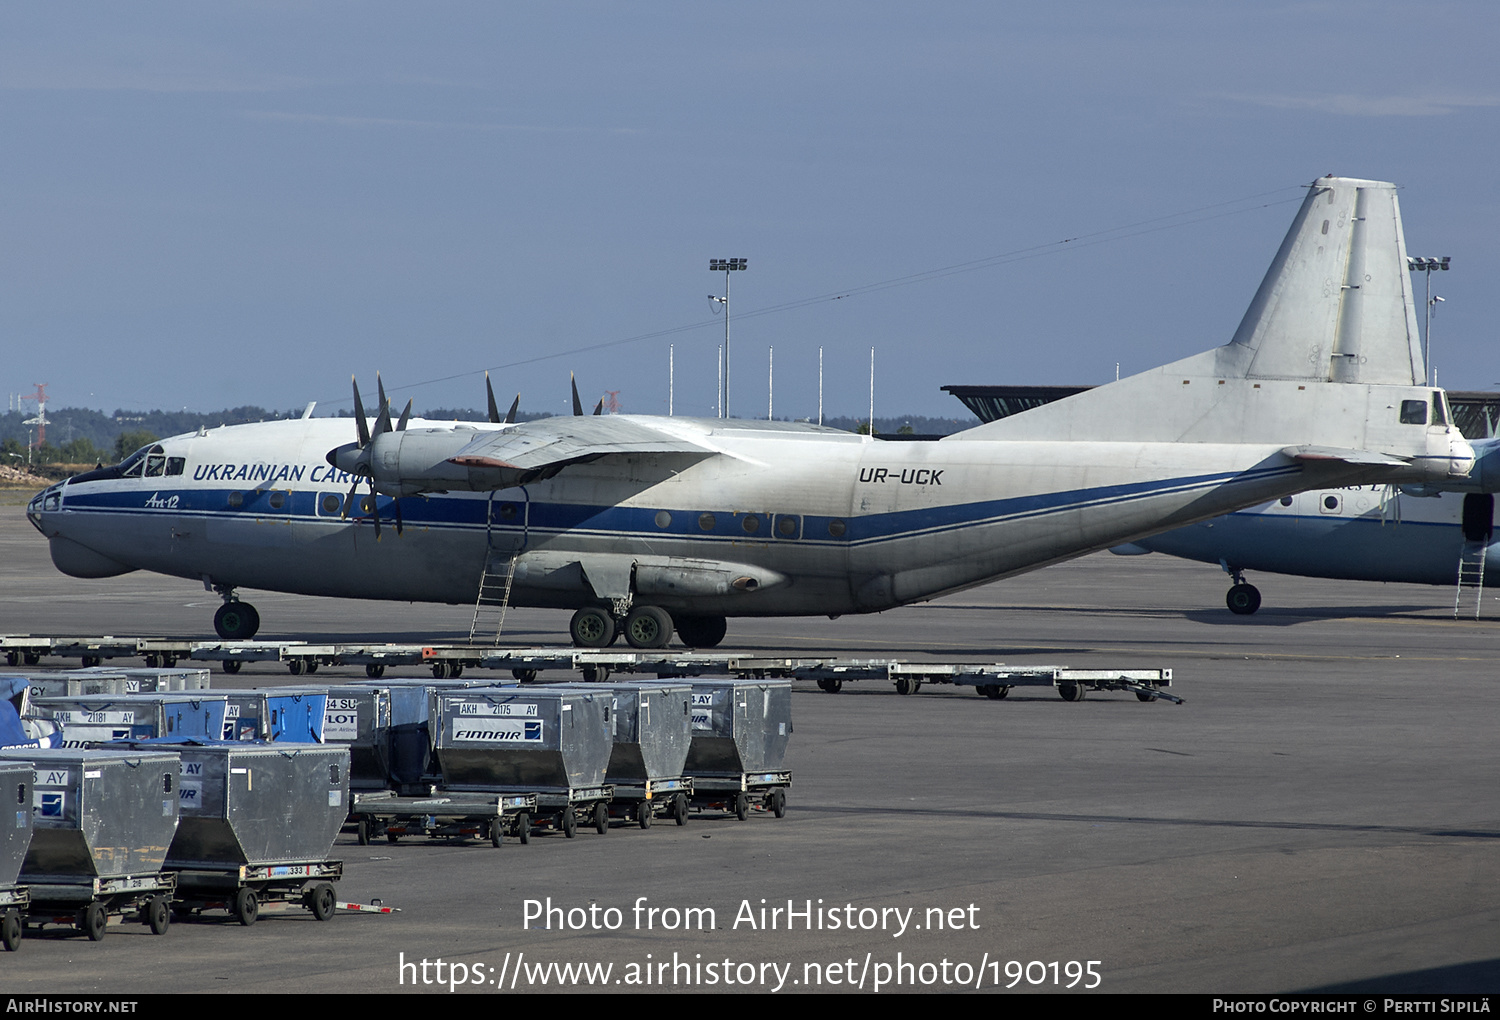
pixel 46 501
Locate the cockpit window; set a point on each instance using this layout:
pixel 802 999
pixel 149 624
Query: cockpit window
pixel 132 466
pixel 156 462
pixel 1414 412
pixel 1440 409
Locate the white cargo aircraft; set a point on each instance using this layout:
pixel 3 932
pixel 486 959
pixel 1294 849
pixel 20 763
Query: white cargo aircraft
pixel 647 524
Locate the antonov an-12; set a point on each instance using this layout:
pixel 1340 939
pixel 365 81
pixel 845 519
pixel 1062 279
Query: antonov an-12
pixel 646 525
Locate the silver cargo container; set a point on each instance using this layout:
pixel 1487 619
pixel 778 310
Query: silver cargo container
pixel 72 684
pixel 99 814
pixel 90 720
pixel 739 726
pixel 259 805
pixel 358 717
pixel 146 679
pixel 526 738
pixel 652 728
pixel 16 822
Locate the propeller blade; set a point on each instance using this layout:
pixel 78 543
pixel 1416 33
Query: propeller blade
pixel 383 422
pixel 396 503
pixel 405 417
pixel 489 391
pixel 362 426
pixel 577 404
pixel 599 407
pixel 349 499
pixel 510 416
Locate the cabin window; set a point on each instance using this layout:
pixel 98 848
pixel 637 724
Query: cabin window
pixel 663 519
pixel 236 500
pixel 1286 501
pixel 706 522
pixel 507 511
pixel 278 500
pixel 788 525
pixel 751 524
pixel 329 503
pixel 836 528
pixel 1414 412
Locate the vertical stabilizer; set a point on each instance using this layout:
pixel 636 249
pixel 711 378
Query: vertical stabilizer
pixel 1332 318
pixel 1336 304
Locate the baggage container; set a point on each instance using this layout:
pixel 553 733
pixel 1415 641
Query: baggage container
pixel 535 737
pixel 358 718
pixel 16 822
pixel 72 683
pixel 276 714
pixel 652 728
pixel 99 814
pixel 551 742
pixel 739 726
pixel 88 721
pixel 149 679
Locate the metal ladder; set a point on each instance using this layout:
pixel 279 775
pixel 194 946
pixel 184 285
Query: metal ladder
pixel 1470 576
pixel 494 591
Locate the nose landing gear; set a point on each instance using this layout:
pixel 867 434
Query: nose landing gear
pixel 235 620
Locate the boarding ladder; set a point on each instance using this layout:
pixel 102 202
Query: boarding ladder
pixel 494 594
pixel 1470 578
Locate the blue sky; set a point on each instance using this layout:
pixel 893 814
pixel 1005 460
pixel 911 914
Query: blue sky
pixel 211 205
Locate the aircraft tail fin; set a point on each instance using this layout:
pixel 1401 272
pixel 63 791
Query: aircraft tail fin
pixel 1334 308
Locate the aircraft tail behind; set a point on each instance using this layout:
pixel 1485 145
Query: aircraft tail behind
pixel 1334 309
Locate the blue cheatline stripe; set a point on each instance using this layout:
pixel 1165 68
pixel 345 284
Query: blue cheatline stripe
pixel 641 522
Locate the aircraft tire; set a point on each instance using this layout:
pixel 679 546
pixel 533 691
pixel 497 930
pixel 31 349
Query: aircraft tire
pixel 592 627
pixel 1243 599
pixel 236 621
pixel 701 631
pixel 648 627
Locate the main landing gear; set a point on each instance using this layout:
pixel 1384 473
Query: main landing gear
pixel 1242 598
pixel 643 627
pixel 235 620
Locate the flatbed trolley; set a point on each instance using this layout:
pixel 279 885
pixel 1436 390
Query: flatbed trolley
pixel 91 904
pixel 245 891
pixel 563 809
pixel 13 903
pixel 454 815
pixel 656 798
pixel 736 794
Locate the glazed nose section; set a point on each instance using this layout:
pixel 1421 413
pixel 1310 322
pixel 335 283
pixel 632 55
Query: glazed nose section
pixel 46 501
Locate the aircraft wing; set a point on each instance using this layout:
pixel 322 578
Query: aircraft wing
pixel 555 442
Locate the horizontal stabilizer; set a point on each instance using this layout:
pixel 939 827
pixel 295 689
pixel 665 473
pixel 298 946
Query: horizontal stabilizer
pixel 1364 458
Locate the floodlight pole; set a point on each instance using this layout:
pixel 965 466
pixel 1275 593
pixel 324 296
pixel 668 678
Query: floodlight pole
pixel 1424 265
pixel 726 266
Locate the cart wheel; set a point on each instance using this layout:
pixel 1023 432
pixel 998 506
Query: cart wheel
pixel 10 931
pixel 158 914
pixel 1071 692
pixel 778 803
pixel 741 806
pixel 364 832
pixel 246 906
pixel 321 901
pixel 1143 696
pixel 601 819
pixel 497 830
pixel 523 827
pixel 568 822
pixel 906 685
pixel 680 809
pixel 643 814
pixel 95 918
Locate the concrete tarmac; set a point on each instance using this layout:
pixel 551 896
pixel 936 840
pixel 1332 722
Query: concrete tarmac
pixel 1321 814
